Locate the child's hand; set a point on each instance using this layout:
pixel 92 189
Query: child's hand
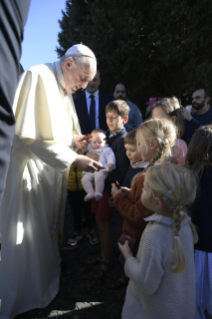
pixel 115 190
pixel 125 189
pixel 125 249
pixel 110 167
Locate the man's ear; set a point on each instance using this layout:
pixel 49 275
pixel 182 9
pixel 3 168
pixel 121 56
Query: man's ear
pixel 207 99
pixel 125 119
pixel 69 63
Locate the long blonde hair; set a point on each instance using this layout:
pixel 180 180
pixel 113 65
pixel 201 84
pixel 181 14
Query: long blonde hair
pixel 176 186
pixel 163 131
pixel 171 106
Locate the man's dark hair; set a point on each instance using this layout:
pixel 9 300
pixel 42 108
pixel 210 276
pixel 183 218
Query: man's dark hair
pixel 206 93
pixel 119 82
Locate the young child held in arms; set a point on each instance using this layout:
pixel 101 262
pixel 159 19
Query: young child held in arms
pixel 98 146
pixel 170 108
pixel 155 139
pixel 162 276
pixel 199 158
pixel 116 116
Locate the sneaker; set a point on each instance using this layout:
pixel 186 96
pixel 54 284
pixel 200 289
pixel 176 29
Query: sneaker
pixel 92 236
pixel 74 239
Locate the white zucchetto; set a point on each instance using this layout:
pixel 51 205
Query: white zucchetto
pixel 80 49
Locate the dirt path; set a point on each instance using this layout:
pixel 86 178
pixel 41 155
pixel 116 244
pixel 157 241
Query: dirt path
pixel 80 296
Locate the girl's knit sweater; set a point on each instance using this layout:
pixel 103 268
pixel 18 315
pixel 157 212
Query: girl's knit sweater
pixel 131 209
pixel 162 293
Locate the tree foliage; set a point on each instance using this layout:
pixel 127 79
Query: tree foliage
pixel 160 47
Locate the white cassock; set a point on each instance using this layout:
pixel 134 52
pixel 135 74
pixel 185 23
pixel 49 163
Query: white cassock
pixel 34 199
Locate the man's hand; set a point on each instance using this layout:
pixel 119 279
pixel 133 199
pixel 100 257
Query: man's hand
pixel 87 164
pixel 186 114
pixel 93 156
pixel 110 167
pixel 114 190
pixel 125 249
pixel 80 142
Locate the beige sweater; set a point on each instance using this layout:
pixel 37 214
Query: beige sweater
pixel 162 293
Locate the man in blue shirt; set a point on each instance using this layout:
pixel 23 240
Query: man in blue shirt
pixel 135 117
pixel 202 115
pixel 90 106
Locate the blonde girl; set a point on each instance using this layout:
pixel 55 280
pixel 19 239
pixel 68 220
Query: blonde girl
pixel 170 108
pixel 162 276
pixel 199 159
pixel 155 139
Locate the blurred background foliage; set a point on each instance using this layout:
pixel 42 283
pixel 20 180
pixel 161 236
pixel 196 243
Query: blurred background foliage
pixel 159 47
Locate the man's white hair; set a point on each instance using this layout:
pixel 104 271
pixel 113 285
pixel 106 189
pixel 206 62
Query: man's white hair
pixel 79 53
pixel 77 58
pixel 80 49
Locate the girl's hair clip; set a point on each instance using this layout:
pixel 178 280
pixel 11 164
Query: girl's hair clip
pixel 176 237
pixel 167 195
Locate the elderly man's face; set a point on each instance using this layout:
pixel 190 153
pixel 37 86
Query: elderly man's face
pixel 120 92
pixel 77 74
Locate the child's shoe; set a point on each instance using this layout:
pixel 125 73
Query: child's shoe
pixel 92 236
pixel 88 197
pixel 98 196
pixel 74 238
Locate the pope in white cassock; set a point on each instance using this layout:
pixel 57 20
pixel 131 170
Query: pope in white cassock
pixel 47 130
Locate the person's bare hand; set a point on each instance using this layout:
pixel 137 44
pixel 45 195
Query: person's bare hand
pixel 83 150
pixel 186 114
pixel 125 189
pixel 93 156
pixel 86 164
pixel 110 167
pixel 114 190
pixel 125 249
pixel 81 143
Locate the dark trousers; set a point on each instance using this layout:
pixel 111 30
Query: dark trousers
pixel 78 205
pixel 13 15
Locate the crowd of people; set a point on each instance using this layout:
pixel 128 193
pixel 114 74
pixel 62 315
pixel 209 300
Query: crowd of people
pixel 154 174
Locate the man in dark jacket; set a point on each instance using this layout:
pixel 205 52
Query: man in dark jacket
pixel 201 117
pixel 90 106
